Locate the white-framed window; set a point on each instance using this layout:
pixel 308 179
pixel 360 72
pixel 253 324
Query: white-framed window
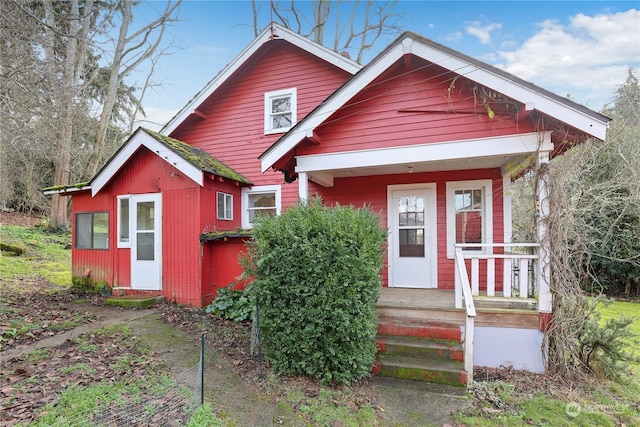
pixel 225 206
pixel 469 215
pixel 123 222
pixel 260 200
pixel 280 110
pixel 92 230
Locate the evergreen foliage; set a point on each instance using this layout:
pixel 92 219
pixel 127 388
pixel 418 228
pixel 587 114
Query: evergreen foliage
pixel 317 279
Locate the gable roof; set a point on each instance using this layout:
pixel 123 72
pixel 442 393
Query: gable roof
pixel 534 97
pixel 190 161
pixel 274 31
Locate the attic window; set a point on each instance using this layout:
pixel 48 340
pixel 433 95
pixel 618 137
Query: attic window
pixel 280 110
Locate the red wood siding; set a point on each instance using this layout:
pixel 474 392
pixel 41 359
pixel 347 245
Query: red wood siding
pixel 187 211
pixel 371 191
pixel 449 110
pixel 234 129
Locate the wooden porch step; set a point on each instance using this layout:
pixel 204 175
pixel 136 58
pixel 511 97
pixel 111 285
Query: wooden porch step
pixel 440 372
pixel 418 328
pixel 499 302
pixel 421 348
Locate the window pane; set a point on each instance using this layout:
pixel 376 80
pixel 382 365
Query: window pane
pixel 469 227
pixel 225 206
pixel 124 220
pixel 411 210
pixel 281 105
pixel 145 215
pixel 281 121
pixel 145 246
pixel 263 200
pixel 411 243
pixel 83 230
pixel 101 230
pixel 253 213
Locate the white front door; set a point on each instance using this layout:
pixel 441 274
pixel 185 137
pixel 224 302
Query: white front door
pixel 145 219
pixel 412 238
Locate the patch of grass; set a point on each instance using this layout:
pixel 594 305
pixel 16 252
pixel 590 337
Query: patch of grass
pixel 38 355
pixel 44 255
pixel 331 407
pixel 204 417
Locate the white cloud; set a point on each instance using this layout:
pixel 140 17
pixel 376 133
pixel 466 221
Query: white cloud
pixel 587 58
pixel 483 32
pixel 453 37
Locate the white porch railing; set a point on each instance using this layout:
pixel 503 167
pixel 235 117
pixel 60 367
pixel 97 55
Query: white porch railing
pixel 470 310
pixel 520 270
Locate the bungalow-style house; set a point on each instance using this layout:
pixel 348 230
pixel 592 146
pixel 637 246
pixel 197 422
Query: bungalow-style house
pixel 426 136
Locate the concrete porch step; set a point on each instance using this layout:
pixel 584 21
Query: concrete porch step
pixel 420 348
pixel 134 301
pixel 408 327
pixel 440 372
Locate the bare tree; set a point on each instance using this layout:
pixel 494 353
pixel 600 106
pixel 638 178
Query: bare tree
pixel 131 50
pixel 353 33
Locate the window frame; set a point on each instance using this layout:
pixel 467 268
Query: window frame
pixel 120 242
pixel 263 189
pixel 486 186
pixel 227 208
pixel 91 238
pixel 268 114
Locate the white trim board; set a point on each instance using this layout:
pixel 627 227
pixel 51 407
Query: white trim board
pixel 274 31
pixel 511 145
pixel 142 139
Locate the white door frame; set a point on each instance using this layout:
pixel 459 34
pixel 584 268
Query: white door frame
pixel 431 234
pixel 146 274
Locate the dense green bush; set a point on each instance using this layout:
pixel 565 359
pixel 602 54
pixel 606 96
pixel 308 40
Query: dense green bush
pixel 317 279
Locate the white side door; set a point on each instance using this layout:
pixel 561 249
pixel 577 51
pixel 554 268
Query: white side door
pixel 145 219
pixel 412 238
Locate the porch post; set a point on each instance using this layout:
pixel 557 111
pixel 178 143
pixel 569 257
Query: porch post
pixel 303 186
pixel 507 207
pixel 542 215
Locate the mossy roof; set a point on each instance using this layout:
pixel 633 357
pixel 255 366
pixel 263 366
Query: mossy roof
pixel 197 157
pixel 223 234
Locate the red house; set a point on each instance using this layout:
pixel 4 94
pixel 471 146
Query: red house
pixel 425 135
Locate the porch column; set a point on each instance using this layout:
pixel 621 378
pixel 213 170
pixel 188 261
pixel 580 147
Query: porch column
pixel 507 207
pixel 303 186
pixel 542 216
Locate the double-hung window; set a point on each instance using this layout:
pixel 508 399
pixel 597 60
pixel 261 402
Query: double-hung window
pixel 92 230
pixel 225 206
pixel 469 214
pixel 280 110
pixel 261 200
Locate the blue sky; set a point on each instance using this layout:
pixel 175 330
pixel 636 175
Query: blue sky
pixel 581 48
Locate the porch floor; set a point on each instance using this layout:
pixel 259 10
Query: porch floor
pixel 438 305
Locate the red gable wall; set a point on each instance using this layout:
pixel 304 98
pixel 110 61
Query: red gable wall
pixel 234 129
pixel 417 105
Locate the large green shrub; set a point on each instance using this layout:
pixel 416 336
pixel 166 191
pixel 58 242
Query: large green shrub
pixel 317 279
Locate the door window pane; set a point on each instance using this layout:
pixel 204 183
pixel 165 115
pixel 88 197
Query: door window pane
pixel 144 216
pixel 411 243
pixel 144 246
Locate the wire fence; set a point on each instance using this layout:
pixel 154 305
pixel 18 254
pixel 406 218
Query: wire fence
pixel 162 402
